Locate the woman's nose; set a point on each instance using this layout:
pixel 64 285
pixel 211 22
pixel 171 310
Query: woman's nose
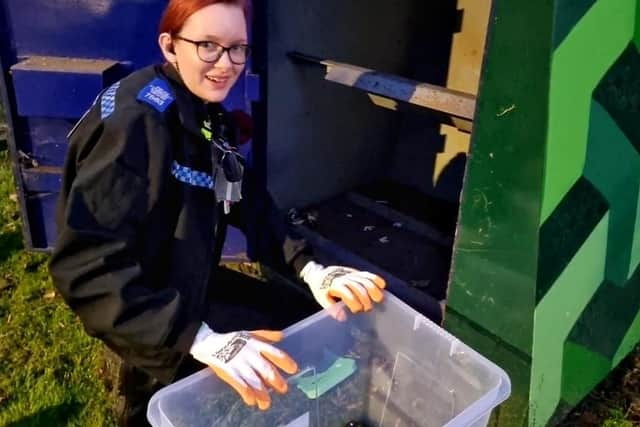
pixel 224 61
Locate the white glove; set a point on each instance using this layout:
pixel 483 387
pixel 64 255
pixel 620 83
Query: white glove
pixel 245 362
pixel 355 288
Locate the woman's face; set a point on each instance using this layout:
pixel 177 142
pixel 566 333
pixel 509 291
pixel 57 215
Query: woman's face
pixel 223 24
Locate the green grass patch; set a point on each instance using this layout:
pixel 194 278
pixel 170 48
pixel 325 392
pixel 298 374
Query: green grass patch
pixel 617 419
pixel 50 370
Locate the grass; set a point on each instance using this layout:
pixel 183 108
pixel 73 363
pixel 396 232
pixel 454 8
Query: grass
pixel 50 370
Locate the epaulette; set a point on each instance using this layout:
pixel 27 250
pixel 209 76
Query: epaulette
pixel 157 94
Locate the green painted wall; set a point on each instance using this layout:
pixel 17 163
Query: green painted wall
pixel 637 36
pixel 495 266
pixel 555 316
pixel 549 234
pixel 594 141
pixel 591 51
pixel 493 282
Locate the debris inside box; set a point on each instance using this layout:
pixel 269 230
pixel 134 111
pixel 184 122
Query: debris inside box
pixel 357 389
pixel 414 247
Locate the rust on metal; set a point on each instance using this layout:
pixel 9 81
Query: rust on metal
pixel 438 98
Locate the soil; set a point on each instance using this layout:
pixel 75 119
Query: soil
pixel 615 402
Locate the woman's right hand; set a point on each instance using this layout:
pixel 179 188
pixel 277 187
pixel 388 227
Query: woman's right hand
pixel 246 362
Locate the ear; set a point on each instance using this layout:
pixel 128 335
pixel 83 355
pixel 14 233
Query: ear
pixel 166 46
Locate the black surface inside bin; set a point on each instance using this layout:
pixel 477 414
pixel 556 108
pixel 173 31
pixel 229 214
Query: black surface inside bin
pixel 382 184
pixel 390 233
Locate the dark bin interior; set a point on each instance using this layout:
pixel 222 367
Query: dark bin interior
pixel 361 177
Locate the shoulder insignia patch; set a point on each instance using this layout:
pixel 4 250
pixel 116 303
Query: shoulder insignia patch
pixel 157 94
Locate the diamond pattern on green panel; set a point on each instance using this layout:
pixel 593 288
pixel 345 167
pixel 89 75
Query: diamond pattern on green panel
pixel 630 340
pixel 619 93
pixel 566 230
pixel 555 316
pixel 613 167
pixel 567 14
pixel 578 66
pixel 601 328
pixel 601 338
pixel 607 324
pixel 582 370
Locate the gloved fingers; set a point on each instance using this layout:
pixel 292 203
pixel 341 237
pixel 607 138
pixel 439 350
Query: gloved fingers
pixel 267 372
pixel 358 290
pixel 253 380
pixel 341 291
pixel 337 312
pixel 263 400
pixel 377 280
pixel 231 377
pixel 276 356
pixel 332 307
pixel 368 280
pixel 270 336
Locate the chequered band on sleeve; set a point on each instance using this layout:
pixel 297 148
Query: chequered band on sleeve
pixel 192 177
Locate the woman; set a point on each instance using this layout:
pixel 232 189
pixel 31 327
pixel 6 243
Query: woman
pixel 137 256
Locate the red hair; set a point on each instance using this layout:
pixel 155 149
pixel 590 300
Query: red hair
pixel 178 11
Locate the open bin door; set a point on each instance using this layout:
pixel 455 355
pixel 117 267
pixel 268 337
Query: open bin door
pixel 365 130
pixel 55 57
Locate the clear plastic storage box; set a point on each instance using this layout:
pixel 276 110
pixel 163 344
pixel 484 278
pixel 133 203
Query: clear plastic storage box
pixel 389 367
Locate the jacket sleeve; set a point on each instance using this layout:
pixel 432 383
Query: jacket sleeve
pixel 113 176
pixel 296 251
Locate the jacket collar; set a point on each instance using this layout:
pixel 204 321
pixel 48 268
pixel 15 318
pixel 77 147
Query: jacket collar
pixel 192 111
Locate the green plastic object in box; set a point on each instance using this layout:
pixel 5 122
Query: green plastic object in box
pixel 317 385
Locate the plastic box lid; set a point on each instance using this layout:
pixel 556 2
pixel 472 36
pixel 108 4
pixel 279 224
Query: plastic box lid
pixel 388 367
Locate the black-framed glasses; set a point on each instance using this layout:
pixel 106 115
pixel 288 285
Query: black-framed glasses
pixel 210 51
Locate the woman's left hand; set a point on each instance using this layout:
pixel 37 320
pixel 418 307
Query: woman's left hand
pixel 359 290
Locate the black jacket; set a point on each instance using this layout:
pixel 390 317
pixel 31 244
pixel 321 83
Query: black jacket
pixel 139 227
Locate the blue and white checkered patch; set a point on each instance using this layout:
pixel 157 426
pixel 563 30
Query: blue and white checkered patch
pixel 108 101
pixel 192 177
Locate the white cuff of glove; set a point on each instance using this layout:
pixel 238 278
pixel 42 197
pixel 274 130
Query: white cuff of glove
pixel 310 268
pixel 203 333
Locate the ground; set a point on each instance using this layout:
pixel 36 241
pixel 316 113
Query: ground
pixel 53 374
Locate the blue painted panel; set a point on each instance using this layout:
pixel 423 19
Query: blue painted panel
pixel 41 181
pixel 59 87
pixel 123 31
pixel 41 214
pixel 46 140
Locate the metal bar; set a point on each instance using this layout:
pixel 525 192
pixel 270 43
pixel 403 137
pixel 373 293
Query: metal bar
pixel 456 103
pixel 463 125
